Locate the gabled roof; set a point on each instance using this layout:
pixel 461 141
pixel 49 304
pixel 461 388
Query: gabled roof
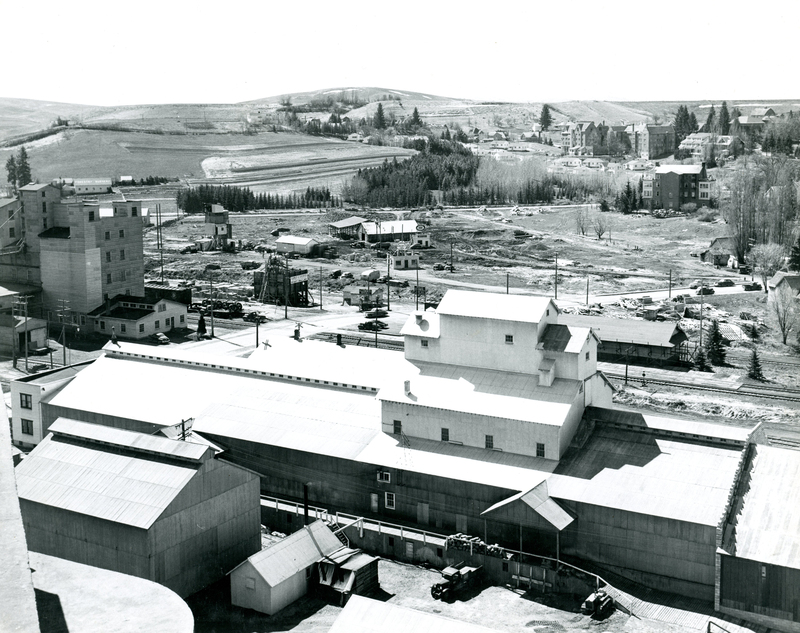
pixel 565 338
pixel 538 499
pixel 630 331
pixel 56 232
pixel 793 279
pixel 347 222
pixel 427 325
pixel 490 305
pixel 392 227
pixel 295 553
pixel 120 476
pixel 295 239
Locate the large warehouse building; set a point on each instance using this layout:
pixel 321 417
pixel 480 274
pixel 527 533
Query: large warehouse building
pixel 494 422
pixel 159 509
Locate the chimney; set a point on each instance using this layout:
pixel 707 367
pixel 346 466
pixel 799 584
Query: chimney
pixel 407 387
pixel 339 340
pixel 418 317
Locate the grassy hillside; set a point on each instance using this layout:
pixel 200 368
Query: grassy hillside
pixel 22 116
pixel 362 94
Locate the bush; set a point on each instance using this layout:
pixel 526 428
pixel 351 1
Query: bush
pixel 707 216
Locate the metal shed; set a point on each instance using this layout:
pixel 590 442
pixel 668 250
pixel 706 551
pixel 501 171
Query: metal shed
pixel 277 576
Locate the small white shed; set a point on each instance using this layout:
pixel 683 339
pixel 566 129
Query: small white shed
pixel 277 576
pixel 296 244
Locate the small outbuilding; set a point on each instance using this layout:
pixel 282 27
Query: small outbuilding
pixel 296 244
pixel 277 576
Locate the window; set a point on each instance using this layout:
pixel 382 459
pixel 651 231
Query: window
pixel 440 552
pixel 108 256
pixel 384 477
pixel 389 498
pixel 122 232
pixel 102 325
pixel 588 355
pixel 423 343
pixel 27 427
pixel 108 278
pixel 44 207
pixel 122 327
pixel 158 324
pixel 391 541
pixel 108 235
pixel 162 307
pixel 44 223
pixel 91 217
pixel 25 401
pixel 445 435
pixel 510 338
pixel 183 318
pixel 490 441
pixel 250 582
pixel 141 327
pixel 398 427
pixel 122 255
pixel 123 275
pixel 539 449
pixel 134 212
pixel 11 232
pixel 43 194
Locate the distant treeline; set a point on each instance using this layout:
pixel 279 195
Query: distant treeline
pixel 439 165
pixel 243 199
pixel 449 167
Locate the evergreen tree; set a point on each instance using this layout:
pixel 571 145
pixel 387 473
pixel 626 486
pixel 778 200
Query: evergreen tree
pixel 681 124
pixel 794 256
pixel 700 361
pixel 11 171
pixel 724 120
pixel 715 346
pixel 379 122
pixel 23 168
pixel 693 126
pixel 545 118
pixel 754 370
pixel 415 120
pixel 711 120
pixel 735 113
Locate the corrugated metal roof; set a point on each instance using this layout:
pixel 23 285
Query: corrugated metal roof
pixel 150 444
pixel 392 227
pixel 88 480
pixel 679 169
pixel 295 553
pixel 768 521
pixel 295 239
pixel 347 222
pixel 539 500
pixel 644 474
pixel 490 305
pixel 630 331
pixel 363 615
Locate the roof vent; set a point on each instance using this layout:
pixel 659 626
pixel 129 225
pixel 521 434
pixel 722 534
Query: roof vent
pixel 407 387
pixel 418 317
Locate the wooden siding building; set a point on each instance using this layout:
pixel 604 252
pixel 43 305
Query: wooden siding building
pixel 150 507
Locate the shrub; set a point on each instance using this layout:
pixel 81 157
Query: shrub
pixel 707 216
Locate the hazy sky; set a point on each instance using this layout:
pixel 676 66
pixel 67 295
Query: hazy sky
pixel 103 53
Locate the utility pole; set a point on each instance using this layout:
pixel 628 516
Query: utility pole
pixel 506 283
pixel 62 312
pixel 451 257
pixel 556 297
pixel 14 310
pixel 212 303
pixel 320 291
pixel 286 291
pixel 587 292
pixel 160 240
pixel 416 291
pixel 388 274
pixel 669 296
pixel 23 299
pixel 702 303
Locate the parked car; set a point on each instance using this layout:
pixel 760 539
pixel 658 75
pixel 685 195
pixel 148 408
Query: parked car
pixel 754 285
pixel 724 283
pixel 696 284
pixel 347 275
pixel 160 338
pixel 377 314
pixel 705 291
pixel 438 266
pixel 372 326
pixel 255 317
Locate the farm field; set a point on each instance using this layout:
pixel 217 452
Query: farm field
pixel 279 162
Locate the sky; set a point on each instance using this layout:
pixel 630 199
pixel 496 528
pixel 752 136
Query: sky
pixel 101 53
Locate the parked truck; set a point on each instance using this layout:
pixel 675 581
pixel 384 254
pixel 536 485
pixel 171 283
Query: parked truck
pixel 454 579
pixel 598 605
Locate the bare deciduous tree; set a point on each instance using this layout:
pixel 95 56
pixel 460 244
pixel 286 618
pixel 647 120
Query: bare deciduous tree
pixel 766 259
pixel 581 221
pixel 600 226
pixel 784 307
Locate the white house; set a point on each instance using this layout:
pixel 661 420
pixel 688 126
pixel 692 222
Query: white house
pixel 277 576
pixel 133 317
pixel 85 186
pixel 405 260
pixel 296 244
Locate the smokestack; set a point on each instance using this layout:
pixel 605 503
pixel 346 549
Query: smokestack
pixel 407 387
pixel 339 340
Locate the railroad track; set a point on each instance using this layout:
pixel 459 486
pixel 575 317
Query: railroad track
pixel 784 442
pixel 757 391
pixel 364 340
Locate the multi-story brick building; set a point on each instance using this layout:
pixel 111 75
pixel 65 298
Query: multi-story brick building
pixel 81 254
pixel 675 185
pixel 651 141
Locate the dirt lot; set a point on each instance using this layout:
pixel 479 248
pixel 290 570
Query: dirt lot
pixel 500 608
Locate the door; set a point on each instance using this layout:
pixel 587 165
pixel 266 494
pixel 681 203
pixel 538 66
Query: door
pixel 422 513
pixel 373 502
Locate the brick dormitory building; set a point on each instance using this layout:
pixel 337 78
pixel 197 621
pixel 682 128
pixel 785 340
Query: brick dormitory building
pixel 494 422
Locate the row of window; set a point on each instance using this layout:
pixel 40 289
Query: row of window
pixel 488 443
pixel 157 325
pixel 122 276
pixel 117 212
pixel 121 255
pixel 121 234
